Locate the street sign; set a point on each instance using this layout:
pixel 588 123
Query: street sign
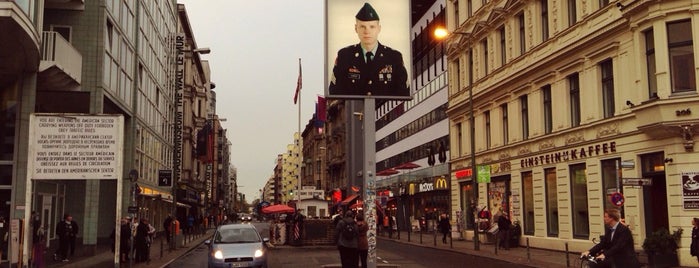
pixel 165 177
pixel 617 199
pixel 627 164
pixel 636 181
pixel 133 209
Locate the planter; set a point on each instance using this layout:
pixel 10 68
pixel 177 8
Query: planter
pixel 663 260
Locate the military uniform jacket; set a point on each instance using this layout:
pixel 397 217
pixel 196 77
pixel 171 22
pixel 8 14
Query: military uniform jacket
pixel 384 76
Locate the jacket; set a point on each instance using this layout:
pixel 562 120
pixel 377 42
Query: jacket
pixel 619 249
pixel 341 240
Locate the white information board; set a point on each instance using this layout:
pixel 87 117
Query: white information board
pixel 80 147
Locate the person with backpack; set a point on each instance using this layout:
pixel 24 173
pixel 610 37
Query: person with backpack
pixel 362 240
pixel 346 234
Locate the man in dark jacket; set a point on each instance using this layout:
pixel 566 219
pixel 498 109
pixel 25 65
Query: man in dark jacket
pixel 504 224
pixel 616 247
pixel 348 244
pixel 66 230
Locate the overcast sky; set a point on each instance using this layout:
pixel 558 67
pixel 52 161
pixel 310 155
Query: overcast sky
pixel 255 47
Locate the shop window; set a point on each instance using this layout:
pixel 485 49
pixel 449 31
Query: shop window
pixel 551 202
pixel 580 212
pixel 611 181
pixel 528 202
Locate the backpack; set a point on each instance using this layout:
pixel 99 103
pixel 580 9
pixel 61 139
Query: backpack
pixel 349 230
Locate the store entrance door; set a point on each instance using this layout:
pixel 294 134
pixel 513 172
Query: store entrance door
pixel 655 196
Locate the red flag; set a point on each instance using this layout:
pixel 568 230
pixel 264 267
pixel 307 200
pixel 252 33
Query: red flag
pixel 298 84
pixel 321 109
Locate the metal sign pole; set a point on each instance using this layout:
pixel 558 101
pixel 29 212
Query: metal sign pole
pixel 369 179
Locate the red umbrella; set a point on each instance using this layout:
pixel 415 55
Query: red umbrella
pixel 277 209
pixel 408 165
pixel 387 172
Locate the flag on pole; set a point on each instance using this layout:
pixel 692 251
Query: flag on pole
pixel 298 85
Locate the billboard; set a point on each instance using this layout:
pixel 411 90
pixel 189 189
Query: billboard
pixel 78 147
pixel 355 27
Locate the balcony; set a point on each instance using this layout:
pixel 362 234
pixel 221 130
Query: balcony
pixel 19 50
pixel 666 118
pixel 61 64
pixel 65 4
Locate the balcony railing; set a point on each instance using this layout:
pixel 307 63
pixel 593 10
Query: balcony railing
pixel 59 53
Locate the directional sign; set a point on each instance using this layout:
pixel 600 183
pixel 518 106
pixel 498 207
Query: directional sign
pixel 164 177
pixel 636 181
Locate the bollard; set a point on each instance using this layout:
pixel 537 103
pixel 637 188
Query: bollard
pixel 567 257
pixel 435 237
pixel 161 248
pixel 451 240
pixel 410 230
pixel 420 236
pixel 529 255
pixel 497 245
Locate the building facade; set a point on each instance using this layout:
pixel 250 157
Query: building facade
pixel 412 178
pixel 575 104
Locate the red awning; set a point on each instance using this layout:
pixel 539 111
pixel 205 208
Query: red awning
pixel 349 199
pixel 387 172
pixel 408 165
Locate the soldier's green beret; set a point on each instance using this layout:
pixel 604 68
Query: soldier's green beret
pixel 367 13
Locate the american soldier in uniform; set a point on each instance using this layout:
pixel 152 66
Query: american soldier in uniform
pixel 369 68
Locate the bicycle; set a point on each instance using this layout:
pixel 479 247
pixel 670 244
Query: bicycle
pixel 588 261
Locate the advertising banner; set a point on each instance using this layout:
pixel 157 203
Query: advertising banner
pixel 690 190
pixel 368 52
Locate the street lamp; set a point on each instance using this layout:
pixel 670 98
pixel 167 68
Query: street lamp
pixel 440 34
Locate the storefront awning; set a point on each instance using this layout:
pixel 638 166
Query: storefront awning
pixel 178 203
pixel 349 199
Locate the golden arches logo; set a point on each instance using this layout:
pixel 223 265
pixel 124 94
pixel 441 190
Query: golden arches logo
pixel 440 183
pixel 411 189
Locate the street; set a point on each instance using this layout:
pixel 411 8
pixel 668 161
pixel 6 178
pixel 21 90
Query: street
pixel 389 252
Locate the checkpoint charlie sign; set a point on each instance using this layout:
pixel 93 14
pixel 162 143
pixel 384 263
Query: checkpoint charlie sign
pixel 75 146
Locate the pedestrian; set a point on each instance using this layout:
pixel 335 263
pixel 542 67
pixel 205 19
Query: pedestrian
pixel 346 236
pixel 444 227
pixel 391 222
pixel 616 247
pixel 362 240
pixel 4 236
pixel 369 68
pixel 694 246
pixel 38 244
pixel 141 241
pixel 504 227
pixel 66 230
pixel 190 223
pixel 124 239
pixel 167 226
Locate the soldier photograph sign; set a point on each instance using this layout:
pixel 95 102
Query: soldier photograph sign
pixel 368 49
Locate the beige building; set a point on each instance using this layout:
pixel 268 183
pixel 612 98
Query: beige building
pixel 575 103
pixel 291 170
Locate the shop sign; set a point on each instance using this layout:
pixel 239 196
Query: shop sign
pixel 690 190
pixel 570 155
pixel 440 183
pixel 483 173
pixel 426 187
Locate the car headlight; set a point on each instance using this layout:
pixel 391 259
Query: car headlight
pixel 218 255
pixel 259 253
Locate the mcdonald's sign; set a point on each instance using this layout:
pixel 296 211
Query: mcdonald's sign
pixel 440 183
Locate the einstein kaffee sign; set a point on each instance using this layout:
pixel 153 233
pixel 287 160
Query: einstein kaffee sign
pixel 75 146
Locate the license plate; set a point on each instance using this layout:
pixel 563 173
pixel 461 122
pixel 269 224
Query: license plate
pixel 239 264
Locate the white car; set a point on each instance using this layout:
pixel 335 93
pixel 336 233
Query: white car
pixel 237 245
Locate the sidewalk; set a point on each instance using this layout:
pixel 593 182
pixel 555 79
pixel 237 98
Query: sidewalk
pixel 160 254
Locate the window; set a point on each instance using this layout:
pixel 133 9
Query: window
pixel 470 68
pixel 607 88
pixel 485 56
pixel 544 20
pixel 459 139
pixel 574 89
pixel 522 43
pixel 488 140
pixel 525 116
pixel 64 31
pixel 470 7
pixel 603 3
pixel 611 179
pixel 457 75
pixel 505 126
pixel 528 202
pixel 681 56
pixel 578 191
pixel 457 20
pixel 551 202
pixel 572 12
pixel 650 64
pixel 503 48
pixel 548 112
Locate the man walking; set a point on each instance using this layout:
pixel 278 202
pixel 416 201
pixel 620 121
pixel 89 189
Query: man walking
pixel 346 234
pixel 66 230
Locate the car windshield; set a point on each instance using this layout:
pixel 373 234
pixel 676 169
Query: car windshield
pixel 236 236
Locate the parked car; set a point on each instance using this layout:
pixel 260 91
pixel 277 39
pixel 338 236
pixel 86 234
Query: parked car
pixel 237 245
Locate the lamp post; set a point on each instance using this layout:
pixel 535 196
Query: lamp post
pixel 440 34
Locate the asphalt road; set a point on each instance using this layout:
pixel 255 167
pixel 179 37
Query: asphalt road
pixel 389 252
